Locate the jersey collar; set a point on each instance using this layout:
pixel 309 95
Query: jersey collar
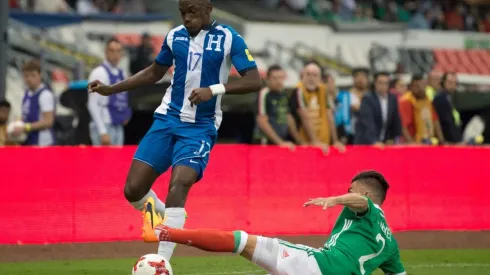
pixel 210 26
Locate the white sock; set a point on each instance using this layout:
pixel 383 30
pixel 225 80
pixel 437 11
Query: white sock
pixel 159 205
pixel 175 218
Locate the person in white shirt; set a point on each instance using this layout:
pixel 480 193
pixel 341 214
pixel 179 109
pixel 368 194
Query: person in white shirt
pixel 38 108
pixel 109 113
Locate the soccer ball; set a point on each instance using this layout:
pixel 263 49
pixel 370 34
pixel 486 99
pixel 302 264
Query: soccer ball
pixel 152 264
pixel 10 129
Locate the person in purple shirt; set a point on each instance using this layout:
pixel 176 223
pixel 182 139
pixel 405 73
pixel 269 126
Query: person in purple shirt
pixel 38 108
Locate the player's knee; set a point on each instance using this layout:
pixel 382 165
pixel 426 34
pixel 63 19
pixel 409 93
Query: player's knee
pixel 133 191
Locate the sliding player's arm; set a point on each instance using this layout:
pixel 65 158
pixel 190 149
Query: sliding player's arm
pixel 355 202
pixel 148 76
pixel 244 63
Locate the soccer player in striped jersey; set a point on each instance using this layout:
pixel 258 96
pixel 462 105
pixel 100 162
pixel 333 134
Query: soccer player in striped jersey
pixel 361 240
pixel 185 124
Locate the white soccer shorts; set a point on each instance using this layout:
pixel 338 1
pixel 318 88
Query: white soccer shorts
pixel 282 258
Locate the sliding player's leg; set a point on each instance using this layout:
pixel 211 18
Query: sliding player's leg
pixel 272 255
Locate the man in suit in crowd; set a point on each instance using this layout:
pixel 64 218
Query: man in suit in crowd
pixel 379 119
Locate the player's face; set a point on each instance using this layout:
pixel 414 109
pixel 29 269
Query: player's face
pixel 360 80
pixel 382 84
pixel 32 79
pixel 4 114
pixel 312 78
pixel 195 14
pixel 276 79
pixel 418 88
pixel 113 53
pixel 451 83
pixel 401 87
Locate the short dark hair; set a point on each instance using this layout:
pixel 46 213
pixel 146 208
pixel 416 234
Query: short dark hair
pixel 416 77
pixel 375 181
pixel 112 40
pixel 358 70
pixel 273 68
pixel 5 104
pixel 32 66
pixel 378 74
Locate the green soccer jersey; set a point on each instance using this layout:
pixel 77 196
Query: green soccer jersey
pixel 358 245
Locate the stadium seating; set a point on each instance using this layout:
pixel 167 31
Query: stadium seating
pixel 463 61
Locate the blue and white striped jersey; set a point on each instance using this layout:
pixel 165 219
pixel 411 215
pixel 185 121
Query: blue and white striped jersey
pixel 199 62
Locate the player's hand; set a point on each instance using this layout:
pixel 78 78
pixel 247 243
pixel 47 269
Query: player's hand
pixel 100 88
pixel 340 146
pixel 322 146
pixel 200 95
pixel 379 145
pixel 18 130
pixel 322 202
pixel 287 144
pixel 105 139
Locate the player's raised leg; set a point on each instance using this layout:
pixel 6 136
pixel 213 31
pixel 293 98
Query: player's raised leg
pixel 152 158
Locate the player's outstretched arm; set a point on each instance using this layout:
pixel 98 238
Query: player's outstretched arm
pixel 148 76
pixel 355 202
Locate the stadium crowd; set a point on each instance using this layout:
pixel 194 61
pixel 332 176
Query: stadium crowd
pixel 418 14
pixel 380 112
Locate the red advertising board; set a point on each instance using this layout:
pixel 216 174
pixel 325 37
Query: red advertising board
pixel 75 194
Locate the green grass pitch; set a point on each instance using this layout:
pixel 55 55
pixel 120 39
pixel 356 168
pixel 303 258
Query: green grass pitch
pixel 417 262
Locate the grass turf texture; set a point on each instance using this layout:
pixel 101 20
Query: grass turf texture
pixel 417 262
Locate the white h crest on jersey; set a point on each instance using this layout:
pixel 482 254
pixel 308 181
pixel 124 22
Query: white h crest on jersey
pixel 217 42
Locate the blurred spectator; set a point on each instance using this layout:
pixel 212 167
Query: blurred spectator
pixel 361 87
pixel 274 120
pixel 109 113
pixel 420 123
pixel 484 25
pixel 87 7
pixel 144 55
pixel 379 120
pixel 4 118
pixel 433 84
pixel 96 6
pixel 51 6
pixel 38 108
pixel 310 104
pixel 342 102
pixel 454 17
pixel 439 22
pixel 346 9
pixel 448 115
pixel 14 4
pixel 420 20
pixel 295 5
pixel 398 87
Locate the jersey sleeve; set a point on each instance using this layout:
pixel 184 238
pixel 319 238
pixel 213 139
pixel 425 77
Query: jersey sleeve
pixel 393 266
pixel 240 54
pixel 165 57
